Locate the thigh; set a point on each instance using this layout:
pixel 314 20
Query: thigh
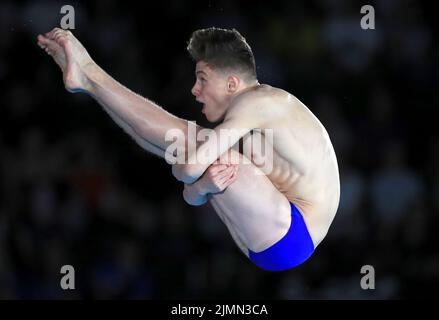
pixel 255 212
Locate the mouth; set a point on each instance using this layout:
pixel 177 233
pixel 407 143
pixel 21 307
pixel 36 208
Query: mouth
pixel 203 109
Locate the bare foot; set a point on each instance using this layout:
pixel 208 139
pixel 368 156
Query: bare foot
pixel 71 56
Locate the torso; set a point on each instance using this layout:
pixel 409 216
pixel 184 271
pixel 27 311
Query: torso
pixel 304 166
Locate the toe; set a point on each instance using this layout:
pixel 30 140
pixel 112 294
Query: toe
pixel 42 41
pixel 51 34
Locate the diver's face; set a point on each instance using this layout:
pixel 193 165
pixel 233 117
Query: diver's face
pixel 210 89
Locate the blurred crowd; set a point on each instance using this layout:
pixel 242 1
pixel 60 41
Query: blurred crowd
pixel 76 190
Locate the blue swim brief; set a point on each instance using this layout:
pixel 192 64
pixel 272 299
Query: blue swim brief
pixel 293 249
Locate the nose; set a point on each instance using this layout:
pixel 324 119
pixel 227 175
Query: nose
pixel 196 89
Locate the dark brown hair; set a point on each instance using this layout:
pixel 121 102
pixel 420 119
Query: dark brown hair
pixel 223 49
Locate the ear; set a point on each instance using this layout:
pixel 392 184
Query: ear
pixel 233 84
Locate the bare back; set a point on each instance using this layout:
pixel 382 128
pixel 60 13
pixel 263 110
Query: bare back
pixel 305 167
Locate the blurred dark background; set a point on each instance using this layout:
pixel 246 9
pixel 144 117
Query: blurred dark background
pixel 75 189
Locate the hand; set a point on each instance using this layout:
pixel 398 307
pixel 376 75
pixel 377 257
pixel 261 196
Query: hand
pixel 217 178
pixel 71 57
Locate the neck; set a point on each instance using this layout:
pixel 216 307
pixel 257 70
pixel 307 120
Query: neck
pixel 247 87
pixel 243 89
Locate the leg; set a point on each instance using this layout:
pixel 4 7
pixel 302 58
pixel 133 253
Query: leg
pixel 255 212
pixel 144 120
pixel 140 141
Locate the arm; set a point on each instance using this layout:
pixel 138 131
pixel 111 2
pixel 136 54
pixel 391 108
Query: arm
pixel 216 179
pixel 242 117
pixel 193 195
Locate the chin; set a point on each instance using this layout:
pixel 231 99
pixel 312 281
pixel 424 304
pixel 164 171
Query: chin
pixel 210 119
pixel 213 118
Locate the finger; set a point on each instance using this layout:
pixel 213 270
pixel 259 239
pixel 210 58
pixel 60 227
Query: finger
pixel 221 167
pixel 231 180
pixel 227 182
pixel 223 178
pixel 225 173
pixel 215 168
pixel 233 175
pixel 232 169
pixel 231 165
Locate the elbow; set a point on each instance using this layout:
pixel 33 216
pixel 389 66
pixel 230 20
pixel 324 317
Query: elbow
pixel 193 201
pixel 186 173
pixel 188 178
pixel 186 198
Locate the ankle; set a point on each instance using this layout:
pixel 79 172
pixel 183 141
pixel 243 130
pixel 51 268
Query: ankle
pixel 92 76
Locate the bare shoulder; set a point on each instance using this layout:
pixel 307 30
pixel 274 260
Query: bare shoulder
pixel 263 100
pixel 264 92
